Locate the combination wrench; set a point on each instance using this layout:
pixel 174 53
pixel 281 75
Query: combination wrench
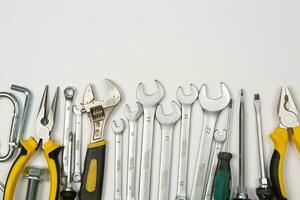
pixel 68 121
pixel 118 129
pixel 211 111
pixel 149 103
pixel 133 119
pixel 167 123
pixel 78 137
pixel 186 101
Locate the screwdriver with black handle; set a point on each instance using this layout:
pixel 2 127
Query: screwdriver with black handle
pixel 222 182
pixel 264 191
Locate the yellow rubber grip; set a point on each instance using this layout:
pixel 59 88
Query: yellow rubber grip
pixel 280 139
pixel 51 152
pixel 296 137
pixel 28 148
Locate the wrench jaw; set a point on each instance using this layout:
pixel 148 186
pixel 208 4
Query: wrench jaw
pixel 168 119
pixel 100 110
pixel 220 135
pixel 214 105
pixel 187 98
pixel 118 126
pixel 148 100
pixel 133 115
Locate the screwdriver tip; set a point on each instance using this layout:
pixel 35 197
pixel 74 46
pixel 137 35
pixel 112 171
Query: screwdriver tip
pixel 242 92
pixel 256 97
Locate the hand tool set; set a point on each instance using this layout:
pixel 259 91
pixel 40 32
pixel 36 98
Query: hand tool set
pixel 212 176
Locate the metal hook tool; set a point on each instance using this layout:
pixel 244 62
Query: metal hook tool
pixel 18 120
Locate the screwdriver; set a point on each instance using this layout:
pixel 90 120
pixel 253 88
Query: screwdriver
pixel 222 182
pixel 242 189
pixel 264 191
pixel 68 193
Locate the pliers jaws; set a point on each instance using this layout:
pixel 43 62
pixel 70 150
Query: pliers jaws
pixel 287 110
pixel 45 119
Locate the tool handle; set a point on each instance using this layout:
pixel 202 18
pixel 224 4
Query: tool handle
pixel 280 140
pixel 222 183
pixel 296 137
pixel 28 148
pixel 93 174
pixel 265 193
pixel 51 153
pixel 68 195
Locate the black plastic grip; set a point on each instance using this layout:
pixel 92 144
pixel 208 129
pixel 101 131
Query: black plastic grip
pixel 93 174
pixel 68 195
pixel 274 175
pixel 224 161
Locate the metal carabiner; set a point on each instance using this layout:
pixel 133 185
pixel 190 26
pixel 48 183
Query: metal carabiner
pixel 14 125
pixel 18 119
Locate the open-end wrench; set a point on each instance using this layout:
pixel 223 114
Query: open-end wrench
pixel 68 121
pixel 167 123
pixel 78 137
pixel 211 110
pixel 186 101
pixel 149 102
pixel 118 128
pixel 133 118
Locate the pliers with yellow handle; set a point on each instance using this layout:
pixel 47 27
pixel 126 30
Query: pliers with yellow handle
pixel 44 125
pixel 288 126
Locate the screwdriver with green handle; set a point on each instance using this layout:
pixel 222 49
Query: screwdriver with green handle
pixel 222 182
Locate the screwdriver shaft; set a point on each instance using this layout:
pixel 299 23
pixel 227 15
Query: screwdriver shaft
pixel 242 142
pixel 257 106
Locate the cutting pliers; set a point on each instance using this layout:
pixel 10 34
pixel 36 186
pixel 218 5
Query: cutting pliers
pixel 288 126
pixel 44 126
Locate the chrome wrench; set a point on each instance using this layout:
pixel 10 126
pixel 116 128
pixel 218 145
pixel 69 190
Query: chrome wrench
pixel 211 110
pixel 78 144
pixel 118 130
pixel 68 121
pixel 186 101
pixel 167 123
pixel 149 103
pixel 133 118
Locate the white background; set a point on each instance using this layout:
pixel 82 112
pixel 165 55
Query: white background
pixel 247 44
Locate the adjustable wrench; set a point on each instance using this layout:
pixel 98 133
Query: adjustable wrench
pixel 133 118
pixel 167 123
pixel 98 111
pixel 78 136
pixel 149 102
pixel 211 110
pixel 118 130
pixel 69 94
pixel 186 101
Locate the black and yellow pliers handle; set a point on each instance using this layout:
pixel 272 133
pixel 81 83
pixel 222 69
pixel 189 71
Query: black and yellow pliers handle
pixel 280 139
pixel 28 149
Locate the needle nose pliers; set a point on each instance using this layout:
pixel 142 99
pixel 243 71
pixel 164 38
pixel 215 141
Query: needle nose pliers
pixel 288 126
pixel 44 126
